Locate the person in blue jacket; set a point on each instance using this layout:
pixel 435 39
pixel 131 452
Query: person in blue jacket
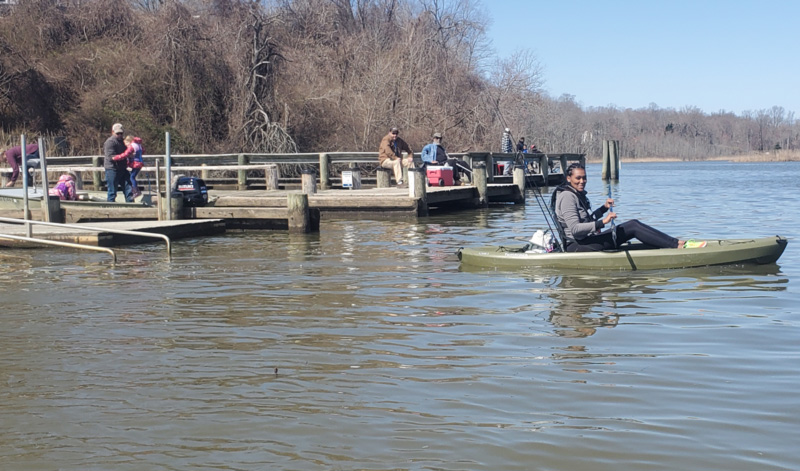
pixel 434 154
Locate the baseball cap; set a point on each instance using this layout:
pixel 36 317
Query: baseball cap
pixel 394 130
pixel 117 128
pixel 437 135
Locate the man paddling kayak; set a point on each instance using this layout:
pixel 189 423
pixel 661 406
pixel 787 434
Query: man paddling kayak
pixel 582 226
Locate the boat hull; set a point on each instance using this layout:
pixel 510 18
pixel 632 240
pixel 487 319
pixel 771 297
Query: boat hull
pixel 632 257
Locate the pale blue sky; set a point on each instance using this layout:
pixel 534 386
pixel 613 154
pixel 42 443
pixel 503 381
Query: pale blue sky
pixel 734 55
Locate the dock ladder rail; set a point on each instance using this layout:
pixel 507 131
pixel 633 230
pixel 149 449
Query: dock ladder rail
pixel 165 238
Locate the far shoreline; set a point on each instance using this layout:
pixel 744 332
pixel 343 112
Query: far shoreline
pixel 779 156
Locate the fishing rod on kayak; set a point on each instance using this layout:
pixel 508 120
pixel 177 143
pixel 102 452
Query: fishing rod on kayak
pixel 549 218
pixel 543 207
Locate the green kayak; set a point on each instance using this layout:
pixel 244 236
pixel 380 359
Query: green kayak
pixel 630 257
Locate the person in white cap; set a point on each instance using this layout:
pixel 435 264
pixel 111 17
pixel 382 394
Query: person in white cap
pixel 116 165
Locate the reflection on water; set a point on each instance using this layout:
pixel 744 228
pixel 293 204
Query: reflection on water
pixel 367 346
pixel 583 302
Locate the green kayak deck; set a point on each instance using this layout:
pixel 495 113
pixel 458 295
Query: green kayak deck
pixel 630 257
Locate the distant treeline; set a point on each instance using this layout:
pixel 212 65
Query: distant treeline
pixel 316 75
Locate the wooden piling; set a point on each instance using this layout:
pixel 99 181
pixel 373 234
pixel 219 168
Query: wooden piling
pixel 383 177
pixel 204 173
pixel 309 181
pixel 271 176
pixel 242 174
pixel 97 180
pixel 544 168
pixel 51 209
pixel 613 152
pixel 519 180
pixel 299 218
pixel 479 177
pixel 418 189
pixel 176 206
pixel 324 171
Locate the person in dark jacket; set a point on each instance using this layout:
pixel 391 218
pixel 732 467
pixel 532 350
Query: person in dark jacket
pixel 14 157
pixel 582 226
pixel 116 165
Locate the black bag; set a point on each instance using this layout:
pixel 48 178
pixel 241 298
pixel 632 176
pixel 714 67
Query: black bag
pixel 194 190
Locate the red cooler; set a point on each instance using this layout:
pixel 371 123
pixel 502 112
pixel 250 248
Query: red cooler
pixel 440 176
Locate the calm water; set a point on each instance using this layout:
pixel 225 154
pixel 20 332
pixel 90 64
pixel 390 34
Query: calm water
pixel 389 356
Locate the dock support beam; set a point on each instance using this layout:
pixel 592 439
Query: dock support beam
pixel 324 172
pixel 309 181
pixel 479 177
pixel 382 177
pixel 610 160
pixel 271 177
pixel 299 217
pixel 418 190
pixel 519 180
pixel 51 209
pixel 97 161
pixel 242 180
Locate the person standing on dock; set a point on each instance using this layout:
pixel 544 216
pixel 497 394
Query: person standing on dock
pixel 390 154
pixel 506 148
pixel 14 157
pixel 116 165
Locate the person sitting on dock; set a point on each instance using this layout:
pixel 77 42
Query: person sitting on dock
pixel 390 154
pixel 434 154
pixel 581 226
pixel 116 165
pixel 14 157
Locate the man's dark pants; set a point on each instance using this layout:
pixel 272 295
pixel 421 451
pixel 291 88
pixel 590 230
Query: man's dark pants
pixel 119 178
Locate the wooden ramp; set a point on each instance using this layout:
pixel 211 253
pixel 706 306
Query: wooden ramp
pixel 173 229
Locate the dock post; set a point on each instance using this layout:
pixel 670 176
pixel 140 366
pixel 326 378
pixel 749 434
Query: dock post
pixel 605 173
pixel 176 207
pixel 544 169
pixel 613 160
pixel 324 172
pixel 97 161
pixel 299 217
pixel 242 174
pixel 382 177
pixel 479 177
pixel 51 209
pixel 309 181
pixel 272 176
pixel 519 180
pixel 204 173
pixel 417 189
pixel 159 204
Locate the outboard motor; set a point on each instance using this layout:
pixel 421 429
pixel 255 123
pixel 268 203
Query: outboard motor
pixel 193 189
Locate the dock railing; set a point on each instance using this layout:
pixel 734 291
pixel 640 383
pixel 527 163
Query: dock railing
pixel 246 169
pixel 83 227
